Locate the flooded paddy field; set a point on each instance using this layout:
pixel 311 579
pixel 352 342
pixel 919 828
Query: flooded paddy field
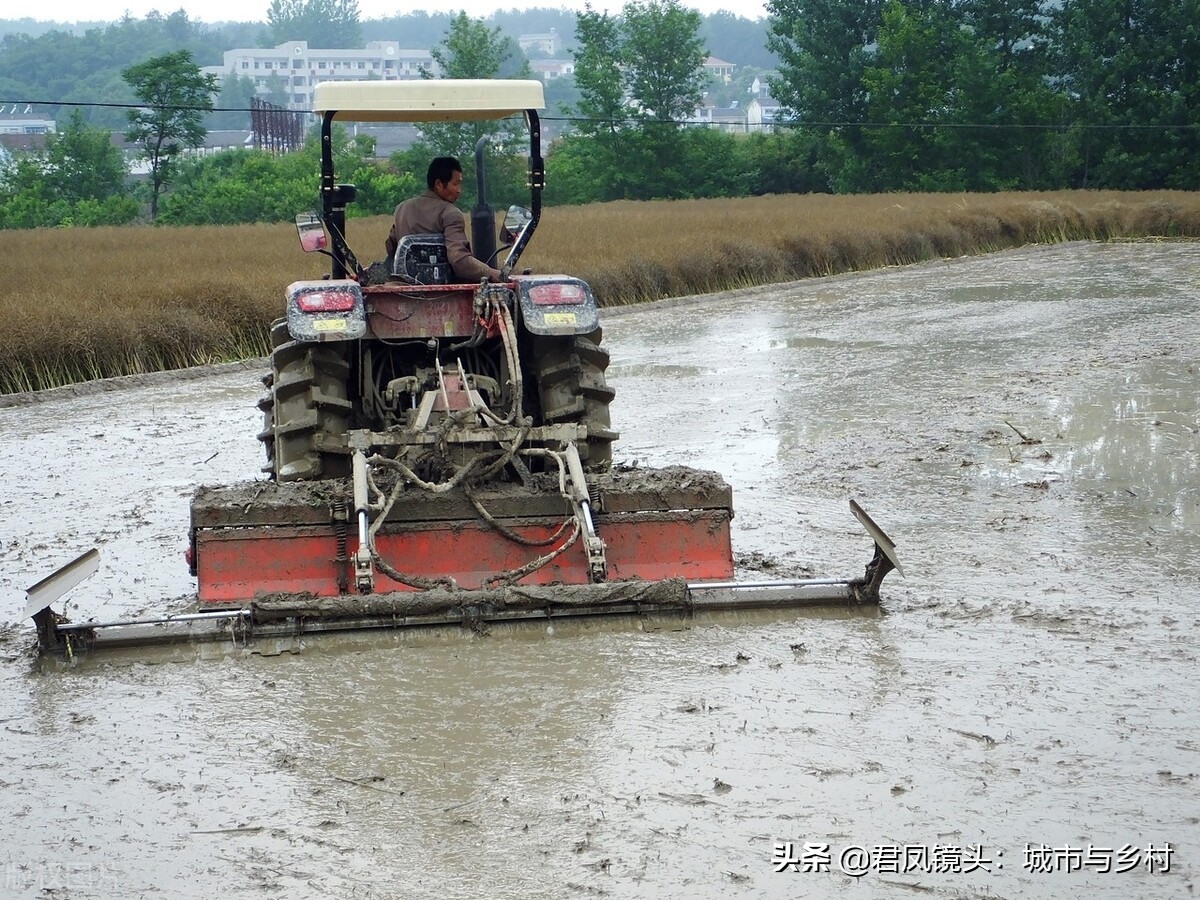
pixel 1019 719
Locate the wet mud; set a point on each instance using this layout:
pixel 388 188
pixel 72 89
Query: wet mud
pixel 626 488
pixel 1024 425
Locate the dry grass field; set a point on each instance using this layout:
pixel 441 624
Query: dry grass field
pixel 78 304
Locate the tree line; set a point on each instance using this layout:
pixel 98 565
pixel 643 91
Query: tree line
pixel 993 94
pixel 878 95
pixel 81 178
pixel 83 64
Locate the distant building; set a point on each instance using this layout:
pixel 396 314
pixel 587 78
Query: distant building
pixel 762 114
pixel 729 118
pixel 723 118
pixel 763 111
pixel 549 43
pixel 214 142
pixel 300 68
pixel 23 118
pixel 22 129
pixel 719 69
pixel 388 136
pixel 549 69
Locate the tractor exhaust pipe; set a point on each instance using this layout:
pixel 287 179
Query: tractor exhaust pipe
pixel 483 217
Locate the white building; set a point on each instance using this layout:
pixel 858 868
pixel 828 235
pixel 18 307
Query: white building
pixel 22 118
pixel 548 43
pixel 300 68
pixel 22 129
pixel 549 69
pixel 763 111
pixel 731 119
pixel 719 70
pixel 762 114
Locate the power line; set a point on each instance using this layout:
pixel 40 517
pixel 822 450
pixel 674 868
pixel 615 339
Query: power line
pixel 96 105
pixel 789 125
pixel 914 125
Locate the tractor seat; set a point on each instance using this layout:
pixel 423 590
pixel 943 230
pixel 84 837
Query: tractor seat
pixel 421 259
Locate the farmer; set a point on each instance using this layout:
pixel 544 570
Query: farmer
pixel 434 212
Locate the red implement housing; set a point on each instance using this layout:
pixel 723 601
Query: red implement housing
pixel 263 538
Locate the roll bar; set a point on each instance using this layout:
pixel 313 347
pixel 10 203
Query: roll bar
pixel 335 197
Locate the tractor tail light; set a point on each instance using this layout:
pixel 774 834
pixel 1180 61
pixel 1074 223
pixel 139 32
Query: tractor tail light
pixel 557 294
pixel 326 301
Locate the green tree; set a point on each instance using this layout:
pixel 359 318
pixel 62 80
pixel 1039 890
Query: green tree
pixel 322 23
pixel 647 63
pixel 823 47
pixel 237 186
pixel 599 76
pixel 233 104
pixel 176 97
pixel 927 95
pixel 561 96
pixel 83 162
pixel 663 58
pixel 79 178
pixel 592 167
pixel 1013 28
pixel 472 50
pixel 637 75
pixel 712 164
pixel 277 91
pixel 1132 71
pixel 947 106
pixel 909 86
pixel 1013 35
pixel 781 162
pixel 574 174
pixel 84 65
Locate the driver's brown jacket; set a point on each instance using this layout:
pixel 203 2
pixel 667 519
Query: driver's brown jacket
pixel 430 214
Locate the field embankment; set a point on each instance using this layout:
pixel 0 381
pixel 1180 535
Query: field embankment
pixel 79 304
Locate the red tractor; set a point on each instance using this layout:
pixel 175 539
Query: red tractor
pixel 442 452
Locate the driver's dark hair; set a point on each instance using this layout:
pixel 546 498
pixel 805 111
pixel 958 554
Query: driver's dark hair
pixel 442 168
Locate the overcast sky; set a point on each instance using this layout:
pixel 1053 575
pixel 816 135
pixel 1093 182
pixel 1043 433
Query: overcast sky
pixel 256 10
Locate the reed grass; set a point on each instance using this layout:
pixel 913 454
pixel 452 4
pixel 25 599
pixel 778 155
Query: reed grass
pixel 79 304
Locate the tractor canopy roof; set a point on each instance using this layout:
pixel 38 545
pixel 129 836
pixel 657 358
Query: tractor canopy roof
pixel 427 100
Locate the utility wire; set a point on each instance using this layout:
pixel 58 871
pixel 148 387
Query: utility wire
pixel 822 124
pixel 94 105
pixel 787 124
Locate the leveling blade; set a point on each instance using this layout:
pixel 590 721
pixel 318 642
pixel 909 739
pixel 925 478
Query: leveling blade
pixel 292 615
pixel 41 595
pixel 54 586
pixel 283 617
pixel 885 544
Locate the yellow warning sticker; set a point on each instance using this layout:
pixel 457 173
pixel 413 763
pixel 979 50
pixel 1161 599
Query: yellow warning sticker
pixel 329 325
pixel 560 318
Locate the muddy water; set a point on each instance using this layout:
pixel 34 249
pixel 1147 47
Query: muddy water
pixel 1025 425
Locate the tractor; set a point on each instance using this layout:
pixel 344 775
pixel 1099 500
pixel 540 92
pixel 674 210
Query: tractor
pixel 441 453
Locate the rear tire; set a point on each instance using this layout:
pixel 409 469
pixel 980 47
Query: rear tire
pixel 572 388
pixel 266 403
pixel 306 413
